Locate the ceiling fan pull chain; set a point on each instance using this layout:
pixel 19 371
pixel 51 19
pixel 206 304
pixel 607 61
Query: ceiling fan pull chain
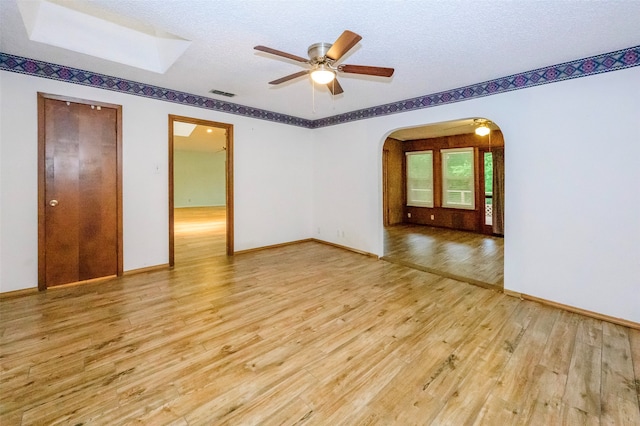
pixel 334 93
pixel 313 96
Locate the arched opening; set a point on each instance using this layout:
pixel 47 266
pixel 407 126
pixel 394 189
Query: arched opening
pixel 443 200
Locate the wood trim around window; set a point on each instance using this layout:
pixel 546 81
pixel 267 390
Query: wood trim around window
pixel 452 217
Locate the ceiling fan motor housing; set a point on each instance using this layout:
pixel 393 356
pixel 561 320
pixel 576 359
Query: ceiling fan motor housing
pixel 317 52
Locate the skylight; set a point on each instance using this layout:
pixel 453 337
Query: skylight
pixel 60 26
pixel 183 129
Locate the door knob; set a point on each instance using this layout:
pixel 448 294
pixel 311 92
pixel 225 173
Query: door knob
pixel 53 203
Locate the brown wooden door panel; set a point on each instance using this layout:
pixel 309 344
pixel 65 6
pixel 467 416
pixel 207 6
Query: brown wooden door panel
pixel 81 174
pixel 62 248
pixel 97 176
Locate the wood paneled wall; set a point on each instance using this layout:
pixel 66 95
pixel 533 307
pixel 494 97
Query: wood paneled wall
pixel 457 141
pixel 394 199
pixel 467 220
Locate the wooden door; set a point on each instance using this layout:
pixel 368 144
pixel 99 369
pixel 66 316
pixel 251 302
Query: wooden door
pixel 80 220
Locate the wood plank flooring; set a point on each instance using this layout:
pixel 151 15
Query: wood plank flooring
pixel 307 334
pixel 199 233
pixel 465 256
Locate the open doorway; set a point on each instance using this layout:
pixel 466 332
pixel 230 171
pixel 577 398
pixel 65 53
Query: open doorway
pixel 443 200
pixel 200 189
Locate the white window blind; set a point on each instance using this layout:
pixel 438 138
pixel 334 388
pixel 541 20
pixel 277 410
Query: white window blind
pixel 420 178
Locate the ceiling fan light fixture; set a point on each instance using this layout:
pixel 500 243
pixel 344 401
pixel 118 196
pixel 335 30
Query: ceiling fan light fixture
pixel 482 130
pixel 322 74
pixel 322 59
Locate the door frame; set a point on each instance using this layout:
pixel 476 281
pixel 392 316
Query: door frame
pixel 42 285
pixel 482 199
pixel 228 181
pixel 385 187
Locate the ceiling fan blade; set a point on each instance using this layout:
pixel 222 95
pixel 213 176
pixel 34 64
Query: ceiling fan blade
pixel 289 77
pixel 280 53
pixel 334 87
pixel 363 69
pixel 343 44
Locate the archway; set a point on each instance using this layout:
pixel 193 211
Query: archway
pixel 443 200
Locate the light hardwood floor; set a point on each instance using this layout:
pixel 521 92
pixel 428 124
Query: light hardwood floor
pixel 466 256
pixel 199 233
pixel 307 334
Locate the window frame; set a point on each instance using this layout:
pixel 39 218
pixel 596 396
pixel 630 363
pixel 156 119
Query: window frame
pixel 432 188
pixel 443 170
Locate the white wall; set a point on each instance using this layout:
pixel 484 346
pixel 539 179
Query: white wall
pixel 199 178
pixel 572 172
pixel 272 177
pixel 273 184
pixel 572 201
pixel 2 176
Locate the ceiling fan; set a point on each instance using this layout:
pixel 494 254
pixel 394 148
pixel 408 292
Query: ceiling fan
pixel 323 58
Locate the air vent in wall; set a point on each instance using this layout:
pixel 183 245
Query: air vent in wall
pixel 221 93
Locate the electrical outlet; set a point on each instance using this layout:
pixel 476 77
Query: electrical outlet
pixel 433 217
pixel 408 215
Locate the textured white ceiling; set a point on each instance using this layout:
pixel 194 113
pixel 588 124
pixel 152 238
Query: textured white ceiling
pixel 433 45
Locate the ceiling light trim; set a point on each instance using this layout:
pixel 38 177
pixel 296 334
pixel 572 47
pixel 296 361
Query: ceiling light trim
pixel 607 62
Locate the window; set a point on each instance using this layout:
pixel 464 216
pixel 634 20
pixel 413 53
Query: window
pixel 420 178
pixel 457 178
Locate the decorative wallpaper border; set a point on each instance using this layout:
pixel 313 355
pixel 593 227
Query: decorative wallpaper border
pixel 87 78
pixel 625 58
pixel 613 61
